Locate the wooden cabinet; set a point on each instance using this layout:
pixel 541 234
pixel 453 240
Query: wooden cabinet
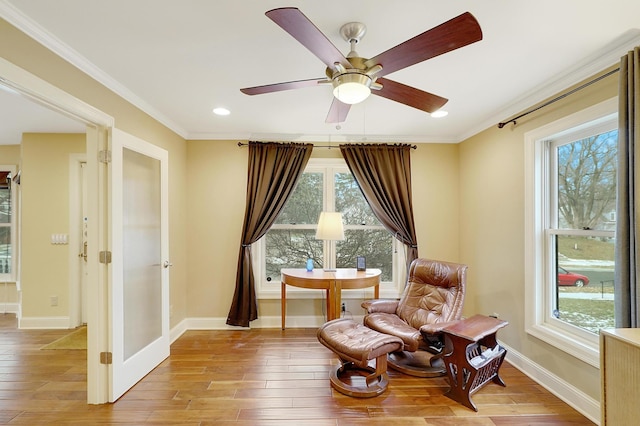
pixel 620 376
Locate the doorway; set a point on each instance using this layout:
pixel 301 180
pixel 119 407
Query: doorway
pixel 97 126
pixel 98 204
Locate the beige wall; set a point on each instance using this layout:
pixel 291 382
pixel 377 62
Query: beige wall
pixel 435 183
pixel 10 155
pixel 492 232
pixel 44 188
pixel 217 179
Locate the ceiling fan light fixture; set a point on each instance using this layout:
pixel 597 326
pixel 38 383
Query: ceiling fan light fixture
pixel 351 88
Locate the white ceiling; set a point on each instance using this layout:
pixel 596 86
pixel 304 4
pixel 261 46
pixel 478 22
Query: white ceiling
pixel 178 59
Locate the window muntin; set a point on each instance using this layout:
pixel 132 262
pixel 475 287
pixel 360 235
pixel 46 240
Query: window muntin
pixel 549 240
pixel 326 184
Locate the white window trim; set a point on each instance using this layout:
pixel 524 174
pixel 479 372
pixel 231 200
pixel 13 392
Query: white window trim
pixel 11 277
pixel 271 290
pixel 572 340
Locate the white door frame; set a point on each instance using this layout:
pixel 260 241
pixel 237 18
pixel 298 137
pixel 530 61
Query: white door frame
pixel 99 126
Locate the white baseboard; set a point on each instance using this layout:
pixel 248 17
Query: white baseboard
pixel 44 322
pixel 583 403
pixel 307 321
pixel 9 308
pixel 177 331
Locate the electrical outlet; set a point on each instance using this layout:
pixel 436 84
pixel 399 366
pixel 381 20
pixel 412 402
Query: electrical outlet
pixel 53 300
pixel 344 307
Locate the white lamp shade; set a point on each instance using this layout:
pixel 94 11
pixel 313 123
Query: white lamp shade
pixel 351 93
pixel 330 226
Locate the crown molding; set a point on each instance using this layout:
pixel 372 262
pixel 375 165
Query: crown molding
pixel 22 22
pixel 604 58
pixel 322 138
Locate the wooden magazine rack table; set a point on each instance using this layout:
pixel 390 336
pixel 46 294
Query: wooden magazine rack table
pixel 472 356
pixel 333 282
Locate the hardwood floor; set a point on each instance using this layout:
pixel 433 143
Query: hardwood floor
pixel 241 378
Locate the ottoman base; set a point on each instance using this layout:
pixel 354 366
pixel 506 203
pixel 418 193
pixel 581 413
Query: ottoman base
pixel 418 364
pixel 361 382
pixel 357 345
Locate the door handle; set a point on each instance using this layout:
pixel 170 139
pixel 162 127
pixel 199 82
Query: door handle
pixel 167 264
pixel 84 251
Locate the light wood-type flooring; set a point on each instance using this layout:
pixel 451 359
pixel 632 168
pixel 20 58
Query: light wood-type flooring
pixel 248 377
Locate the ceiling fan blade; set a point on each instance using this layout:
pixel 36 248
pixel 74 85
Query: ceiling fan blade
pixel 302 29
pixel 279 87
pixel 453 34
pixel 337 112
pixel 410 96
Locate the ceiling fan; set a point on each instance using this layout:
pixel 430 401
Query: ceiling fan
pixel 353 77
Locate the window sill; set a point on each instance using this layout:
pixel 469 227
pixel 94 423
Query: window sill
pixel 581 349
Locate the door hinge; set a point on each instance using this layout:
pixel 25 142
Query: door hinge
pixel 106 358
pixel 104 156
pixel 105 257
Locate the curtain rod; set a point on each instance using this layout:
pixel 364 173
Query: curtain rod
pixel 322 146
pixel 556 99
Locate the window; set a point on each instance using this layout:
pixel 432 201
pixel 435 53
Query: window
pixel 326 185
pixel 7 232
pixel 570 229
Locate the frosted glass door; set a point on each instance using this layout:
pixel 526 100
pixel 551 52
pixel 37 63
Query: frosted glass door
pixel 140 276
pixel 142 259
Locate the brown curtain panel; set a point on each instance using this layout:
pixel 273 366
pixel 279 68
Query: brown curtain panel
pixel 626 285
pixel 383 173
pixel 274 169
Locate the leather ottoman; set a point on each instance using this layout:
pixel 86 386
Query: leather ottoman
pixel 357 345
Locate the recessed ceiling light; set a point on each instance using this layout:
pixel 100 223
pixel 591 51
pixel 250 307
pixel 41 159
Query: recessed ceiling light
pixel 221 111
pixel 439 114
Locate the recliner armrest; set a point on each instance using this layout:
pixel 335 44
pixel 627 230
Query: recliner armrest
pixel 436 328
pixel 387 306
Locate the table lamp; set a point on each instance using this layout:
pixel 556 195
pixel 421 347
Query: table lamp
pixel 330 229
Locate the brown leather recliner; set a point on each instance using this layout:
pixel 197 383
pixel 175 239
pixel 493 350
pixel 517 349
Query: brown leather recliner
pixel 432 299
